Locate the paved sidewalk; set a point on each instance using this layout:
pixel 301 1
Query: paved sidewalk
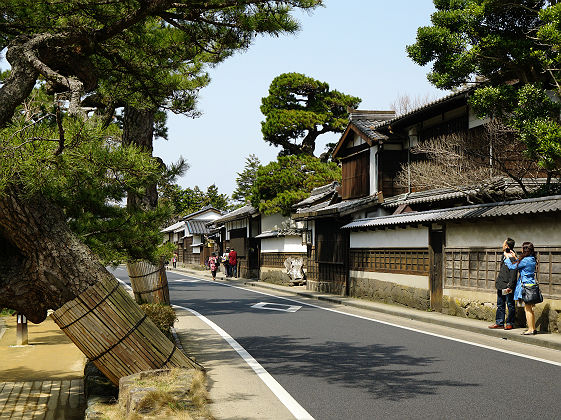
pixel 235 391
pixel 42 380
pixel 549 340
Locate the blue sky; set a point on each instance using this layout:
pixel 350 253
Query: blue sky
pixel 357 46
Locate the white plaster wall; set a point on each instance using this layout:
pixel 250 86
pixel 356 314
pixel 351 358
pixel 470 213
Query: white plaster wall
pixel 540 230
pixel 272 222
pixel 475 121
pixel 283 244
pixel 392 238
pixel 207 215
pixel 373 170
pixel 420 282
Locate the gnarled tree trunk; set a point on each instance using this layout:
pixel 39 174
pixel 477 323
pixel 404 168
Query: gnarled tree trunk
pixel 43 264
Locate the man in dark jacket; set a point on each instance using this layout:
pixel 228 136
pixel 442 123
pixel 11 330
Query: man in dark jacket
pixel 506 280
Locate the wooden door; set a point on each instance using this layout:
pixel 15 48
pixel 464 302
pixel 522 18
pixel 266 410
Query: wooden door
pixel 436 245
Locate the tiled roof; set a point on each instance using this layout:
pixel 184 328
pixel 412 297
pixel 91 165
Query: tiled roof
pixel 365 121
pixel 173 227
pixel 279 233
pixel 428 196
pixel 318 194
pixel 240 213
pixel 197 227
pixel 367 127
pixel 478 211
pixel 206 208
pixel 341 208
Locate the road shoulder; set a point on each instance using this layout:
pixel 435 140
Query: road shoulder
pixel 236 392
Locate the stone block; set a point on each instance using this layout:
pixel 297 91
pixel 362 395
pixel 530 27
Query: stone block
pixel 276 277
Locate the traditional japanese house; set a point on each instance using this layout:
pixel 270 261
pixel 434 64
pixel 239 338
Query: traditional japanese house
pixel 453 256
pixel 280 239
pixel 239 229
pixel 405 262
pixel 191 236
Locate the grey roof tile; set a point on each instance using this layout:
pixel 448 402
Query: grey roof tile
pixel 505 208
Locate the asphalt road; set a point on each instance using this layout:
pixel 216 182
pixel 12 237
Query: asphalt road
pixel 343 367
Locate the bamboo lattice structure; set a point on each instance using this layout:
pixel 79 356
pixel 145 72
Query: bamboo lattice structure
pixel 109 327
pixel 149 283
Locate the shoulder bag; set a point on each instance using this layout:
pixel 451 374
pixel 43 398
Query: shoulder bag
pixel 531 293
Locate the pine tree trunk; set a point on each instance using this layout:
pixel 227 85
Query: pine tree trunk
pixel 43 264
pixel 138 129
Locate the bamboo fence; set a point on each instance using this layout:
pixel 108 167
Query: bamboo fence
pixel 109 327
pixel 149 283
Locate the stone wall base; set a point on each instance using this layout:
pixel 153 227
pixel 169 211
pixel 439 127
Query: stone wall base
pixel 325 287
pixel 548 319
pixel 275 276
pixel 388 292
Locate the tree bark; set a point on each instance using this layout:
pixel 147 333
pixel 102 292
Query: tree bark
pixel 42 263
pixel 17 87
pixel 138 129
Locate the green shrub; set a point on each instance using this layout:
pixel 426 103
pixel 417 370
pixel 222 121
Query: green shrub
pixel 6 312
pixel 162 315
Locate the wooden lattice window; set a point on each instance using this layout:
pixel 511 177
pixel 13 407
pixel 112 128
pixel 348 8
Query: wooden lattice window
pixel 391 260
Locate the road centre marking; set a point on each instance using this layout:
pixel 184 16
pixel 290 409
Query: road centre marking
pixel 458 340
pixel 284 397
pixel 276 307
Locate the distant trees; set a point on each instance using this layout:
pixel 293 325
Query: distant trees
pixel 405 103
pixel 284 182
pixel 245 180
pixel 299 109
pixel 190 200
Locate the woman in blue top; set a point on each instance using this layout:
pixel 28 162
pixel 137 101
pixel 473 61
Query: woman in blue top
pixel 526 266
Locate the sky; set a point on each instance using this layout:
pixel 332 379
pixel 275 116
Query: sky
pixel 356 46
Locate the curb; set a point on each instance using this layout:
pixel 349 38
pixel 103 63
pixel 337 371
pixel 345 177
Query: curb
pixel 2 327
pixel 436 318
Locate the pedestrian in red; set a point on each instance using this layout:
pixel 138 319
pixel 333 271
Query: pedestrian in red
pixel 233 261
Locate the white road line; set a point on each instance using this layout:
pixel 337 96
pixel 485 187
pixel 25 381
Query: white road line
pixel 284 397
pixel 458 340
pixel 124 284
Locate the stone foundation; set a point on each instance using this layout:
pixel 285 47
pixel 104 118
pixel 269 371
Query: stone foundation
pixel 270 275
pixel 325 287
pixel 548 314
pixel 388 292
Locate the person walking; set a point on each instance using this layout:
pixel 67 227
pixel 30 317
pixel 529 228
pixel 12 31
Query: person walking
pixel 505 284
pixel 233 261
pixel 213 264
pixel 226 262
pixel 526 266
pixel 174 260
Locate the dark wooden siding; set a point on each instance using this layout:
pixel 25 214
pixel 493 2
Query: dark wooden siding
pixel 404 261
pixel 356 176
pixel 331 242
pixel 277 259
pixel 389 164
pixel 477 268
pixel 238 241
